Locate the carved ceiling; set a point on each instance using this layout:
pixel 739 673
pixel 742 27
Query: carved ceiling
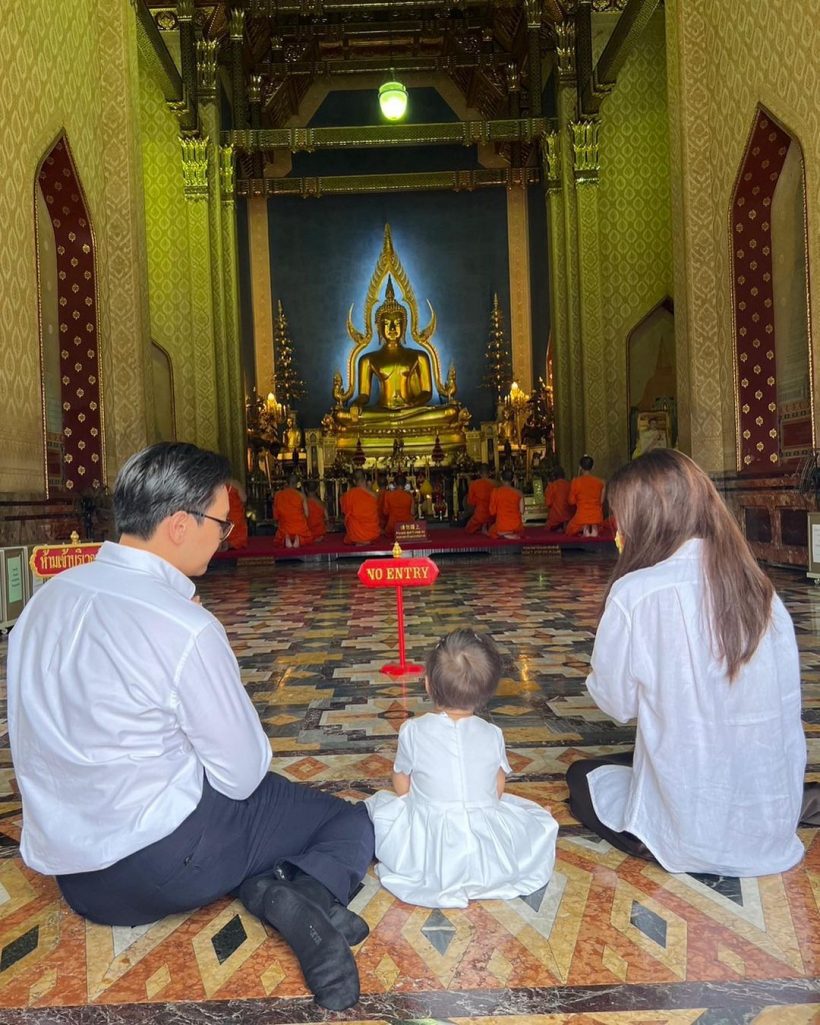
pixel 482 45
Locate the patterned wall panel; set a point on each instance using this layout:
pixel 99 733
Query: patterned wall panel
pixel 77 316
pixel 635 222
pixel 168 253
pixel 51 56
pixel 731 57
pixel 753 294
pixel 121 264
pixel 673 64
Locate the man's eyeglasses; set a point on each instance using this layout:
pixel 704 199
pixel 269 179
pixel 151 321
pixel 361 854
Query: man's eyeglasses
pixel 225 526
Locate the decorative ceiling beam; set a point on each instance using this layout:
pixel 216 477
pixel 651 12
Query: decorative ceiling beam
pixel 157 52
pixel 594 84
pixel 380 65
pixel 320 8
pixel 426 181
pixel 458 133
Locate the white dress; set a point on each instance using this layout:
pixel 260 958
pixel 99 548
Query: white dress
pixel 451 839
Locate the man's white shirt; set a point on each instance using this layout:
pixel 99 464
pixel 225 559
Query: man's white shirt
pixel 121 693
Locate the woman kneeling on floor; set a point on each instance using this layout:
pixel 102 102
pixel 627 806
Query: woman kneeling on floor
pixel 695 644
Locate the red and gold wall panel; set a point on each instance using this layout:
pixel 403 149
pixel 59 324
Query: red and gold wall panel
pixel 753 296
pixel 77 299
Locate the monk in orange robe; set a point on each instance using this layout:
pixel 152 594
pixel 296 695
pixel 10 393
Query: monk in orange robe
pixel 238 537
pixel 586 494
pixel 507 506
pixel 290 511
pixel 398 505
pixel 478 499
pixel 556 499
pixel 317 514
pixel 360 507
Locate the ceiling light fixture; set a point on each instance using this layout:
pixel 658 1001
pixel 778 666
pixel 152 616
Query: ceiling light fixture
pixel 393 100
pixel 392 94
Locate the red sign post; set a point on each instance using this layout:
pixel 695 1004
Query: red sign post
pixel 399 573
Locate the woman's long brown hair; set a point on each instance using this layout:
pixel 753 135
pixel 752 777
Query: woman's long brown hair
pixel 663 499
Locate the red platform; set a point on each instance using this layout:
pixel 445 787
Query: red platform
pixel 441 541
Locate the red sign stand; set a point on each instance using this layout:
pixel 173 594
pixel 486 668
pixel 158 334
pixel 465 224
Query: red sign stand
pixel 399 573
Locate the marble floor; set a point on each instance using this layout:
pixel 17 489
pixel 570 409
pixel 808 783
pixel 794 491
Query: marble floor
pixel 610 941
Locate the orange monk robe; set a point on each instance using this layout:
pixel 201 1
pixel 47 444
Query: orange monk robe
pixel 361 513
pixel 290 516
pixel 238 537
pixel 479 498
pixel 380 497
pixel 317 519
pixel 586 494
pixel 398 508
pixel 556 500
pixel 505 505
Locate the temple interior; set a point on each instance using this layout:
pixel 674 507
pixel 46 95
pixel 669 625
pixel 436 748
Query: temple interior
pixel 407 238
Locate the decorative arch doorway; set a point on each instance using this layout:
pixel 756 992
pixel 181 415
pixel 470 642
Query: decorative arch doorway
pixel 769 260
pixel 69 331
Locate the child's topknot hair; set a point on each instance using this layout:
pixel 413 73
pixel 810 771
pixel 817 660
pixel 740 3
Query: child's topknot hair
pixel 463 670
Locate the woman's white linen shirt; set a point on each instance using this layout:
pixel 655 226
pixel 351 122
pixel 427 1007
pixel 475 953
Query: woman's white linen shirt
pixel 717 780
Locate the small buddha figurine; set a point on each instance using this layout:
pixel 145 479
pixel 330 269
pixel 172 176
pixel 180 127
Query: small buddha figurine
pixel 292 435
pixel 338 391
pixel 450 385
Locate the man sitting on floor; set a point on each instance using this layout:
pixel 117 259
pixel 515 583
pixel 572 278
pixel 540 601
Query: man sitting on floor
pixel 290 510
pixel 399 506
pixel 507 506
pixel 556 499
pixel 360 508
pixel 478 499
pixel 141 762
pixel 586 493
pixel 317 513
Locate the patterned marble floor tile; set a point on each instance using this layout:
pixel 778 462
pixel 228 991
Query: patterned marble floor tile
pixel 610 940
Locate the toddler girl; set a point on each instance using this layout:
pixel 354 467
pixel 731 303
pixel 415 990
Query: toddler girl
pixel 449 834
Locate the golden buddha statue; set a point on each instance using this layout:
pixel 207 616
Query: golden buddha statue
pixel 395 383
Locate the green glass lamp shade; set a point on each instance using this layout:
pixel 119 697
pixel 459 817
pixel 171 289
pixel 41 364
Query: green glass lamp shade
pixel 393 100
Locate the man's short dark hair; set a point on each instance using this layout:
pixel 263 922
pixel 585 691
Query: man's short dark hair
pixel 507 476
pixel 587 462
pixel 163 479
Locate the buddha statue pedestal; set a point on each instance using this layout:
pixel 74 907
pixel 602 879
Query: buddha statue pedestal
pixel 393 381
pixel 378 442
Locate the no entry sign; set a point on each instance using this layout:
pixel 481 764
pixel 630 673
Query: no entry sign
pixel 399 573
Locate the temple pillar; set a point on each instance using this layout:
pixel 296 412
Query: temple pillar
pixel 566 309
pixel 261 298
pixel 195 160
pixel 224 295
pixel 585 169
pixel 230 291
pixel 518 242
pixel 550 156
pixel 237 34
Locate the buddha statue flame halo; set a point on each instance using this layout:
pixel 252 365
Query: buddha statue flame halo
pixel 387 265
